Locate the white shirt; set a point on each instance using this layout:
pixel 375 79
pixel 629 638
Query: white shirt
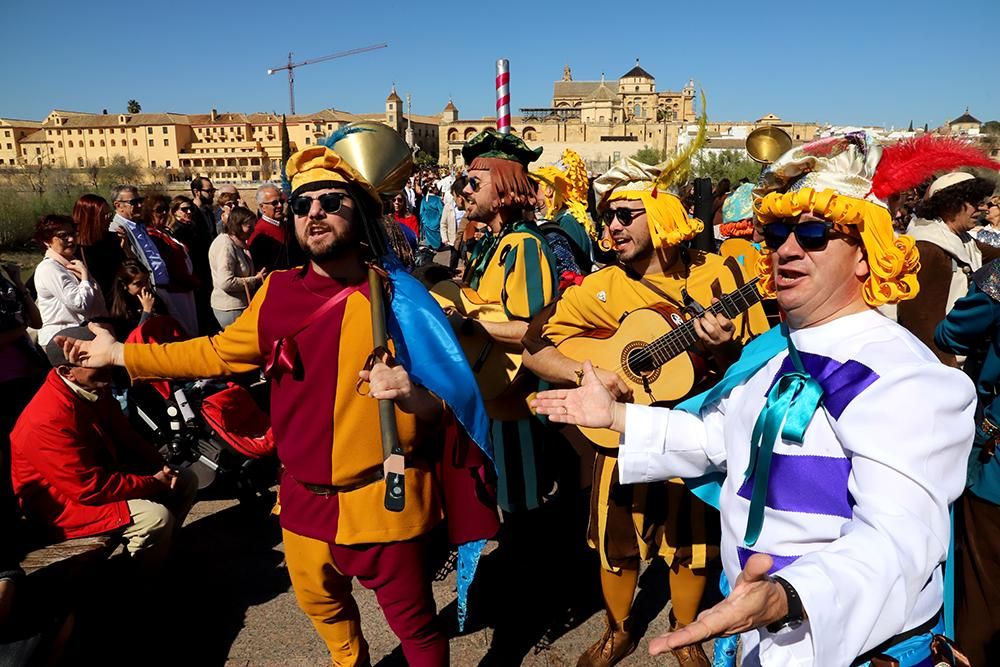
pixel 64 300
pixel 857 516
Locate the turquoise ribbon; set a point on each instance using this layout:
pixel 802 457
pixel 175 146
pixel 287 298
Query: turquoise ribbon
pixel 792 401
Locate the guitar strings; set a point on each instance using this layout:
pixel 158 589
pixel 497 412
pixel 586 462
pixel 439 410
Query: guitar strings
pixel 671 342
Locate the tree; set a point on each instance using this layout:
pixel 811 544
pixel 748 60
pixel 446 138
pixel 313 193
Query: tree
pixel 648 155
pixel 991 127
pixel 134 106
pixel 731 164
pixel 424 159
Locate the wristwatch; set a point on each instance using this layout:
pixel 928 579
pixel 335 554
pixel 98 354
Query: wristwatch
pixel 795 615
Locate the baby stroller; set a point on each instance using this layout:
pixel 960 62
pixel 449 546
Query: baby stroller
pixel 214 427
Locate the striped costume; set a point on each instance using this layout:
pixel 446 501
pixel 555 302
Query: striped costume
pixel 856 517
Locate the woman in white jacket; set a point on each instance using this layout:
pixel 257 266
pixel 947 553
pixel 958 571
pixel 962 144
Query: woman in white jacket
pixel 234 279
pixel 67 294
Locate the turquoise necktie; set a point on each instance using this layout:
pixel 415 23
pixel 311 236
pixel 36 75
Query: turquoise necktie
pixel 792 401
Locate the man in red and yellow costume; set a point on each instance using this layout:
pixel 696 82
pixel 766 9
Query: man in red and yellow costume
pixel 312 329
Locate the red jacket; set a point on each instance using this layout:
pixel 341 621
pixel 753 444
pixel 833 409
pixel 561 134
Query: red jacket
pixel 68 462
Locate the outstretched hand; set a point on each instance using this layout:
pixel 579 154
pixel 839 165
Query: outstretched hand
pixel 103 351
pixel 590 404
pixel 755 601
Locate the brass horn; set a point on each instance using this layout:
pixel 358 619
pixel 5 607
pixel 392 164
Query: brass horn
pixel 766 144
pixel 379 154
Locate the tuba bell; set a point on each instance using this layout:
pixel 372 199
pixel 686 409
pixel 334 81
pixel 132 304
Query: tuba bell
pixel 766 144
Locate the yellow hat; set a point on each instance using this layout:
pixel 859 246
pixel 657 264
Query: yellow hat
pixel 319 164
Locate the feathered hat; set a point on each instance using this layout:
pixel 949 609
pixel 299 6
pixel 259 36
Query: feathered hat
pixel 657 186
pixel 847 180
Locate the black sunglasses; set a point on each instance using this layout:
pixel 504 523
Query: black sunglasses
pixel 625 215
pixel 811 234
pixel 132 202
pixel 276 202
pixel 330 202
pixel 475 183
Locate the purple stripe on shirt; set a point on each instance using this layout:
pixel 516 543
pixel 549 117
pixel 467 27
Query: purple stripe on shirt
pixel 809 484
pixel 842 382
pixel 779 561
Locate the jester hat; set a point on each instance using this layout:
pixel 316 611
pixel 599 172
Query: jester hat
pixel 568 179
pixel 847 180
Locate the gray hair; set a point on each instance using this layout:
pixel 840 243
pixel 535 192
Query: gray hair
pixel 119 189
pixel 263 190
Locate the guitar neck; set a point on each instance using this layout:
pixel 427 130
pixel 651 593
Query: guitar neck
pixel 680 339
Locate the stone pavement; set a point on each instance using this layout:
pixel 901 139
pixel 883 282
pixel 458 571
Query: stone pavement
pixel 227 601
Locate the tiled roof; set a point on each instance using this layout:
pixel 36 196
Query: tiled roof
pixel 17 122
pixel 79 120
pixel 602 94
pixel 574 88
pixel 965 118
pixel 36 137
pixel 637 71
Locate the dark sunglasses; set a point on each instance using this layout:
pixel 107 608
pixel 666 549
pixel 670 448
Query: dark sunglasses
pixel 276 202
pixel 811 234
pixel 186 209
pixel 161 209
pixel 625 215
pixel 330 202
pixel 131 202
pixel 475 183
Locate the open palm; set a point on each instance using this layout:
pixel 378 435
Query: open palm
pixel 590 404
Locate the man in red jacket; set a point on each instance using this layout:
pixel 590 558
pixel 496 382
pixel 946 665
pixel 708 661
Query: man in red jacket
pixel 78 468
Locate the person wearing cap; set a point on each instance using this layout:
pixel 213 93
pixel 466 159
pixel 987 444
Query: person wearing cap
pixel 514 270
pixel 647 224
pixel 311 328
pixel 835 440
pixel 948 254
pixel 79 468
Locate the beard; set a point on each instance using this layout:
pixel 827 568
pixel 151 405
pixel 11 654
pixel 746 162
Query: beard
pixel 336 247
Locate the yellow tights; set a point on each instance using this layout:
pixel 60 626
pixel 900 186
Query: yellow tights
pixel 686 589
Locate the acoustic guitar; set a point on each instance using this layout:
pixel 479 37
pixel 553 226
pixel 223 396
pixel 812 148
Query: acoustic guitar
pixel 496 366
pixel 657 371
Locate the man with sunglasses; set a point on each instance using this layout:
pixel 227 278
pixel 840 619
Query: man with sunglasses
pixel 836 439
pixel 311 329
pixel 128 217
pixel 267 244
pixel 645 225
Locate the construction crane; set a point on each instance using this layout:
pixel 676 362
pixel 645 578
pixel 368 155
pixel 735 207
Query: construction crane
pixel 291 67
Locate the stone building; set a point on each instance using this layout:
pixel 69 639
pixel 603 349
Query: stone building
pixel 965 124
pixel 12 133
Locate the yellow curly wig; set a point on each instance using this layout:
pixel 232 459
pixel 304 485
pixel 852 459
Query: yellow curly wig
pixel 669 224
pixel 893 261
pixel 570 189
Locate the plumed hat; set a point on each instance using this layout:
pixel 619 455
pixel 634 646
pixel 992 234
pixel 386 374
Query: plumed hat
pixel 491 144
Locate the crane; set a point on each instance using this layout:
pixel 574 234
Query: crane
pixel 291 67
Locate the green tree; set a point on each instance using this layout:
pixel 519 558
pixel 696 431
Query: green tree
pixel 731 164
pixel 134 106
pixel 991 127
pixel 424 159
pixel 648 155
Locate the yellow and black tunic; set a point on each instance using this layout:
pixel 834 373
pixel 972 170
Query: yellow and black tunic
pixel 628 522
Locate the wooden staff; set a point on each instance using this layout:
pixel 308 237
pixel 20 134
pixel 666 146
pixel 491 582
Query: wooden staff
pixel 393 465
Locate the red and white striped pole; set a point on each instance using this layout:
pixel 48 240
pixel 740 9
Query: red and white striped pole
pixel 503 96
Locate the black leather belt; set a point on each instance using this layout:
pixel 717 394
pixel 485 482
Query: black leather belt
pixel 329 490
pixel 921 629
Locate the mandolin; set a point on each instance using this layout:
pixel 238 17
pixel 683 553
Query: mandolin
pixel 657 371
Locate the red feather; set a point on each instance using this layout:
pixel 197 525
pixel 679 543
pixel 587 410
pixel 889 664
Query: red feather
pixel 909 163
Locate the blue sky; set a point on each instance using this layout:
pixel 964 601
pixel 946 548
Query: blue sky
pixel 873 62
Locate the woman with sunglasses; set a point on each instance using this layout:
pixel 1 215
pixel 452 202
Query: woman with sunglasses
pixel 178 294
pixel 989 234
pixel 68 295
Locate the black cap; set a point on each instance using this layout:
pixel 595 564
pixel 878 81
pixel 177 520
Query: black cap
pixel 55 352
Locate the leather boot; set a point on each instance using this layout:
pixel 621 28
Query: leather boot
pixel 688 656
pixel 616 644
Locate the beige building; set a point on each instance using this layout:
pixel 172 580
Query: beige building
pixel 965 124
pixel 233 147
pixel 604 121
pixel 12 133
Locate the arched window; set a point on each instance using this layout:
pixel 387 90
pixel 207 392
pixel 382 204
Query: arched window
pixel 453 134
pixel 102 142
pixel 638 111
pixel 91 143
pixel 530 134
pixel 135 142
pixel 100 161
pixel 469 133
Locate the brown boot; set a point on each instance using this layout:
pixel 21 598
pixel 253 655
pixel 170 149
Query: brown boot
pixel 688 656
pixel 616 644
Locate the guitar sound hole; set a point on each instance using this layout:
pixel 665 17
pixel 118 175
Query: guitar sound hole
pixel 637 363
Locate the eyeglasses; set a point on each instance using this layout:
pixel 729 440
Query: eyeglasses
pixel 625 215
pixel 185 209
pixel 330 202
pixel 276 202
pixel 65 236
pixel 210 191
pixel 161 209
pixel 475 183
pixel 810 235
pixel 131 202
